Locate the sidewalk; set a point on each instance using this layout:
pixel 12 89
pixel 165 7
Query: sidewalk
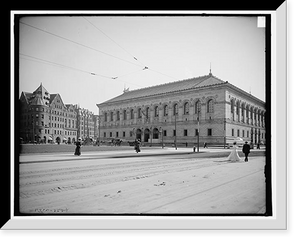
pixel 52 157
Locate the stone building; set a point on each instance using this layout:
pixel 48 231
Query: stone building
pixel 169 114
pixel 85 124
pixel 44 118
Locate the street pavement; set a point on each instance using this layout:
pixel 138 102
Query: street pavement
pixel 156 181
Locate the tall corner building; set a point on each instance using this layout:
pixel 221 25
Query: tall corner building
pixel 44 118
pixel 173 113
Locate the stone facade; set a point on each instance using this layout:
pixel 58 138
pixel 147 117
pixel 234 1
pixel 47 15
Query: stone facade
pixel 169 113
pixel 44 118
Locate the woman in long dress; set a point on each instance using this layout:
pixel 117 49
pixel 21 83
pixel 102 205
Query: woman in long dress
pixel 77 150
pixel 234 156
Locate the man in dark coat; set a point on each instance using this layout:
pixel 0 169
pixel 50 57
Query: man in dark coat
pixel 246 150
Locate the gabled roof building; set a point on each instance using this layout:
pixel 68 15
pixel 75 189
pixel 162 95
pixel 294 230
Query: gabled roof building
pixel 44 118
pixel 174 113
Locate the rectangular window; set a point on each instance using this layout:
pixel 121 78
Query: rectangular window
pixel 117 134
pixel 123 134
pixel 196 132
pixel 247 134
pixel 104 134
pixel 238 132
pixel 243 133
pixel 232 132
pixel 165 132
pixel 174 133
pixel 185 132
pixel 110 134
pixel 209 132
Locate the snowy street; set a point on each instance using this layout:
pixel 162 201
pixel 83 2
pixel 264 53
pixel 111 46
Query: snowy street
pixel 122 182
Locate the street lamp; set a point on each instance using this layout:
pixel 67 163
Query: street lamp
pixel 224 132
pixel 162 137
pixel 198 137
pixel 175 132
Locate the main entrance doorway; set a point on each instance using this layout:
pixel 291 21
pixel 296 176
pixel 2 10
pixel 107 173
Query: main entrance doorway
pixel 146 135
pixel 139 134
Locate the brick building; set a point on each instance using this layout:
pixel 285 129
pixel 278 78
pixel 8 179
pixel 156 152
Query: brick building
pixel 86 125
pixel 170 112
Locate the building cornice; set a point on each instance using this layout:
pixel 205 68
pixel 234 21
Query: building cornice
pixel 106 103
pixel 247 95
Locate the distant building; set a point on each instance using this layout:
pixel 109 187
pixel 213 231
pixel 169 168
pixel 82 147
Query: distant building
pixel 85 124
pixel 169 113
pixel 44 118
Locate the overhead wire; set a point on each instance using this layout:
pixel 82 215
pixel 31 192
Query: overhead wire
pixel 80 44
pixel 44 61
pixel 96 27
pixel 94 49
pixel 145 67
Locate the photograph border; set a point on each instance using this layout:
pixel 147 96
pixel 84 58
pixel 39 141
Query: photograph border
pixel 174 222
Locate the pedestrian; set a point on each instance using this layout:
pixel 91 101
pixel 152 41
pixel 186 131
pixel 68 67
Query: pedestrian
pixel 246 150
pixel 205 145
pixel 78 145
pixel 234 156
pixel 137 144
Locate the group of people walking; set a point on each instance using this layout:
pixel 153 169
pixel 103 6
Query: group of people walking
pixel 233 156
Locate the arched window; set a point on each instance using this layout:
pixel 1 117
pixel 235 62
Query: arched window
pixel 197 107
pixel 131 114
pixel 124 115
pixel 166 110
pixel 139 112
pixel 238 110
pixel 147 112
pixel 111 116
pixel 232 106
pixel 243 112
pixel 156 111
pixel 186 108
pixel 155 133
pixel 175 109
pixel 247 114
pixel 210 106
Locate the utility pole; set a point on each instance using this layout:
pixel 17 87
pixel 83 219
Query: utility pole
pixel 175 133
pixel 198 137
pixel 225 132
pixel 161 130
pixel 99 129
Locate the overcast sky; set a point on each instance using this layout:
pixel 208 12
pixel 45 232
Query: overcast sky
pixel 88 60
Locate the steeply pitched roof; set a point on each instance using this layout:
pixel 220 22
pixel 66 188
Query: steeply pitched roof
pixel 41 90
pixel 193 83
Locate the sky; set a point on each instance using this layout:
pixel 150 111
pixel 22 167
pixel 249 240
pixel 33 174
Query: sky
pixel 91 59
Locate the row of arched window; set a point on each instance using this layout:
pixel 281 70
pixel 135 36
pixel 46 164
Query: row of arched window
pixel 145 113
pixel 243 112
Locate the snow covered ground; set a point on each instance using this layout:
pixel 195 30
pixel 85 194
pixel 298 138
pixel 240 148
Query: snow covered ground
pixel 171 183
